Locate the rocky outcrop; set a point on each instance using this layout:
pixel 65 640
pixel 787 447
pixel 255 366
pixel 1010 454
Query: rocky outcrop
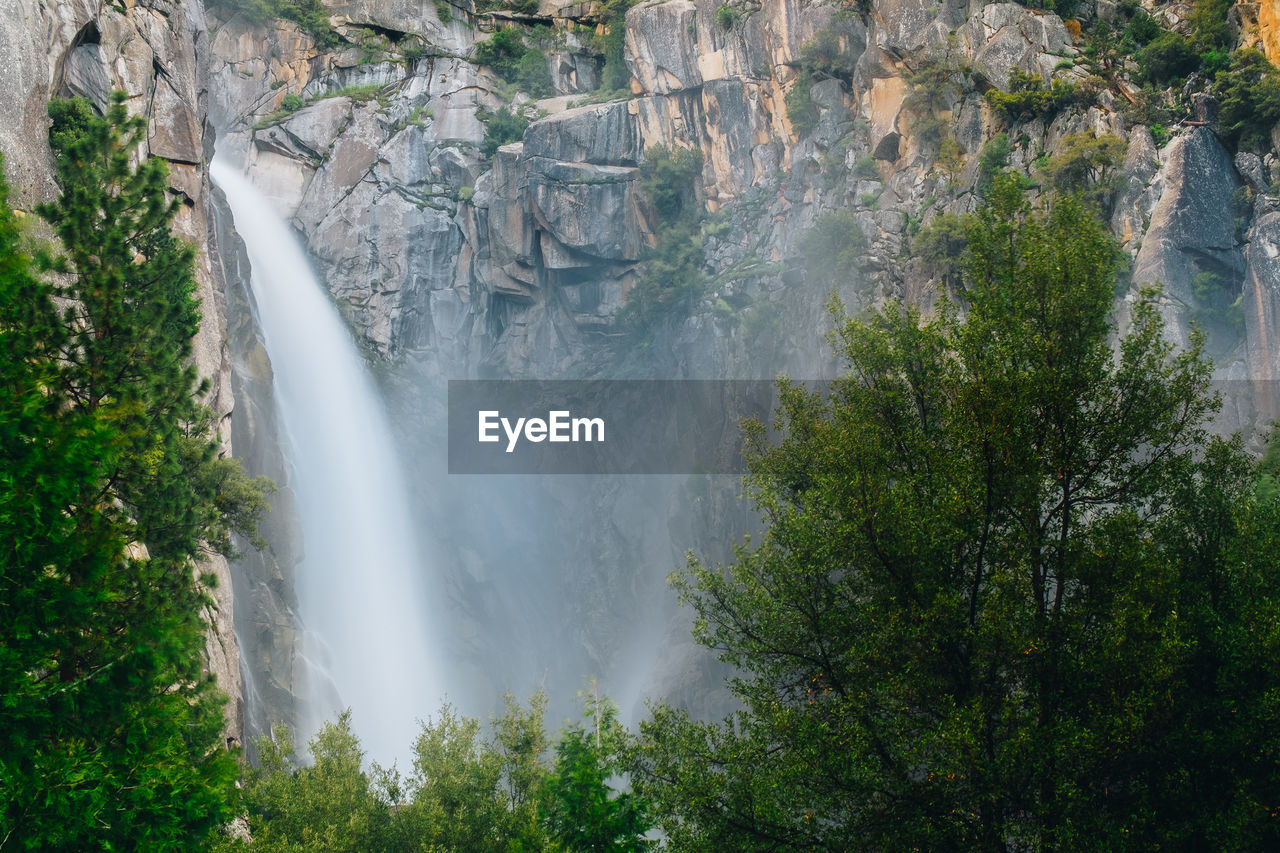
pixel 452 264
pixel 156 53
pixel 1193 229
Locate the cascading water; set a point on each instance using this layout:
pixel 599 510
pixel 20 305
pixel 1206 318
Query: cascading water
pixel 361 583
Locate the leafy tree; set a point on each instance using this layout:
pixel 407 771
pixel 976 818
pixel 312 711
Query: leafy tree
pixel 583 813
pixel 801 110
pixel 1028 97
pixel 1089 165
pixel 1166 58
pixel 1249 93
pixel 1010 596
pixel 110 491
pixel 833 248
pixel 327 807
pixel 940 247
pixel 500 128
pixel 512 59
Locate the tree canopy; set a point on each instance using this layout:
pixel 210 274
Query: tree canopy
pixel 508 792
pixel 1011 595
pixel 111 490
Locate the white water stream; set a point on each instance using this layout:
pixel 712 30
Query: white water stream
pixel 362 582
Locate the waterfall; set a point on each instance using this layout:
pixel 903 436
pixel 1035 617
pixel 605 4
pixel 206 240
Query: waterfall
pixel 361 584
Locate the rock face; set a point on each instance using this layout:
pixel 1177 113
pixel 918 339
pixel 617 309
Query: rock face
pixel 451 264
pixel 156 52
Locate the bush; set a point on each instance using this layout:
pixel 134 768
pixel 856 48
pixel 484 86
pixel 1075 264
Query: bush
pixel 500 128
pixel 670 179
pixel 1168 57
pixel 310 15
pixel 1249 94
pixel 727 15
pixel 801 111
pixel 823 55
pixel 1210 28
pixel 994 158
pixel 515 61
pixel 940 246
pixel 292 103
pixel 1142 29
pixel 1029 98
pixel 1090 166
pixel 832 249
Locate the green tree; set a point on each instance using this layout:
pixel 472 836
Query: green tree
pixel 329 806
pixel 1249 92
pixel 1009 596
pixel 1091 166
pixel 583 812
pixel 110 491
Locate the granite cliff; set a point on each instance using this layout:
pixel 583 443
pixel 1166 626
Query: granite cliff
pixel 456 251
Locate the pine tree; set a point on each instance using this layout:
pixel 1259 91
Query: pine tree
pixel 110 492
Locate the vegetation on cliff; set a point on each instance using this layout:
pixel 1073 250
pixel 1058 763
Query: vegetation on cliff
pixel 111 491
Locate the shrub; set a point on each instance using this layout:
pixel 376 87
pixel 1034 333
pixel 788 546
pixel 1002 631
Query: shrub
pixel 1249 94
pixel 994 158
pixel 1090 166
pixel 832 249
pixel 801 111
pixel 669 179
pixel 727 15
pixel 1142 29
pixel 1210 28
pixel 940 246
pixel 513 60
pixel 292 103
pixel 500 128
pixel 1029 98
pixel 1166 58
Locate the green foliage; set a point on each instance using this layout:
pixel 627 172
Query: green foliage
pixel 464 792
pixel 310 15
pixel 1141 29
pixel 866 167
pixel 824 55
pixel 1249 95
pixel 935 87
pixel 673 279
pixel 581 812
pixel 501 127
pixel 513 59
pixel 669 179
pixel 993 159
pixel 832 249
pixel 1219 306
pixel 940 247
pixel 1167 58
pixel 444 11
pixel 1210 27
pixel 1009 595
pixel 1028 97
pixel 727 14
pixel 1090 166
pixel 292 103
pixel 111 489
pixel 801 111
pixel 614 75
